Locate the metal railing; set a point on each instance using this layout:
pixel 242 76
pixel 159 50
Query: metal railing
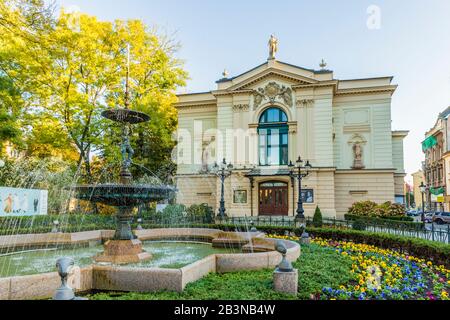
pixel 430 232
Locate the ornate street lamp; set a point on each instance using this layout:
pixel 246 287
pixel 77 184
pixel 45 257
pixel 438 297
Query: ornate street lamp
pixel 300 171
pixel 223 171
pixel 423 189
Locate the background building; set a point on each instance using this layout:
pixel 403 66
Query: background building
pixel 418 178
pixel 436 167
pixel 265 117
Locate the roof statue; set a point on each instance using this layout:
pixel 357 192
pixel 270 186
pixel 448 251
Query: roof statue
pixel 273 47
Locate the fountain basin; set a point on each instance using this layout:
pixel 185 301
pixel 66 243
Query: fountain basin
pixel 148 276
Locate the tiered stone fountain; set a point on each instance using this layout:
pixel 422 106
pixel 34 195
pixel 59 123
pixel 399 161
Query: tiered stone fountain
pixel 125 247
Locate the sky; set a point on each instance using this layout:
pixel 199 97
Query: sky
pixel 407 39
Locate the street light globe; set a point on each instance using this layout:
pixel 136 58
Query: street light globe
pixel 422 187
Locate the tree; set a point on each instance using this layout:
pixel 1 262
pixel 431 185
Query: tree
pixel 10 107
pixel 317 219
pixel 23 24
pixel 72 68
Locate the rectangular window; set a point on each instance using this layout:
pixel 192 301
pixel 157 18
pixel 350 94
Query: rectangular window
pixel 273 146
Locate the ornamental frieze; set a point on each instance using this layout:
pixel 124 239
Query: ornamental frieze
pixel 241 107
pixel 271 92
pixel 305 102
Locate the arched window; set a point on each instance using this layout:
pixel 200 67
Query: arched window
pixel 273 137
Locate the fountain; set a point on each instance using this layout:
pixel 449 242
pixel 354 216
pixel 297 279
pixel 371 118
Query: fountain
pixel 125 196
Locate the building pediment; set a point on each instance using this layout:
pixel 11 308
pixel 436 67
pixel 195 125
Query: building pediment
pixel 276 71
pixel 271 75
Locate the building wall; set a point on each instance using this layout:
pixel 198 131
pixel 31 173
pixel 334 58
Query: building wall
pixel 196 189
pixel 354 186
pixel 418 178
pixel 325 118
pixel 397 154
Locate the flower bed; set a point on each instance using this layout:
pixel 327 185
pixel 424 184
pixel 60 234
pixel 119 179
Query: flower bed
pixel 382 274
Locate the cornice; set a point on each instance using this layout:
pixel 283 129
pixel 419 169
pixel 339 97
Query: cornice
pixel 366 171
pixel 367 90
pixel 321 84
pixel 400 133
pixel 193 104
pixel 219 93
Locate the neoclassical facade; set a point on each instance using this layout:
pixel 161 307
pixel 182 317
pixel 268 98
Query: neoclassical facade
pixel 266 117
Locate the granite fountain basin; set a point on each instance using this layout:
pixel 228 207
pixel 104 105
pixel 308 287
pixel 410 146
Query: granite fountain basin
pixel 157 274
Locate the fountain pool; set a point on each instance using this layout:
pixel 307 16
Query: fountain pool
pixel 166 254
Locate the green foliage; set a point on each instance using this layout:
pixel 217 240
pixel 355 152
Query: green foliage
pixel 400 222
pixel 317 219
pixel 318 267
pixel 10 108
pixel 371 209
pixel 201 212
pixel 179 214
pixel 359 224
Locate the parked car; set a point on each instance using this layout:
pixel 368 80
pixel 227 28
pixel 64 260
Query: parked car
pixel 429 217
pixel 412 213
pixel 441 217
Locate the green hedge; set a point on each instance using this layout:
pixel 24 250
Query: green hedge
pixel 391 222
pixel 435 251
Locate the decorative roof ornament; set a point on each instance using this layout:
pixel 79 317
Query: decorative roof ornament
pixel 323 64
pixel 225 73
pixel 273 47
pixel 271 92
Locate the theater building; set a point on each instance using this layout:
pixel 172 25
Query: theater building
pixel 266 117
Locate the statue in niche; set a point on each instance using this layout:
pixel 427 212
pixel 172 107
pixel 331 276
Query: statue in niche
pixel 206 155
pixel 357 156
pixel 356 142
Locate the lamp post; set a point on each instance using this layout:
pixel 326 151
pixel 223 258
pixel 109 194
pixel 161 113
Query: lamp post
pixel 423 189
pixel 223 171
pixel 300 171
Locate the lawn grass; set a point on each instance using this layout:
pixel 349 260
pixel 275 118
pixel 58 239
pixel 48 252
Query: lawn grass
pixel 318 267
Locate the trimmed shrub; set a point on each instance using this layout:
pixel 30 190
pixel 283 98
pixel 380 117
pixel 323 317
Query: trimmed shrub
pixel 371 209
pixel 317 219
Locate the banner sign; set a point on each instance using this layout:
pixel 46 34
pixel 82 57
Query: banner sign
pixel 437 198
pixel 22 202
